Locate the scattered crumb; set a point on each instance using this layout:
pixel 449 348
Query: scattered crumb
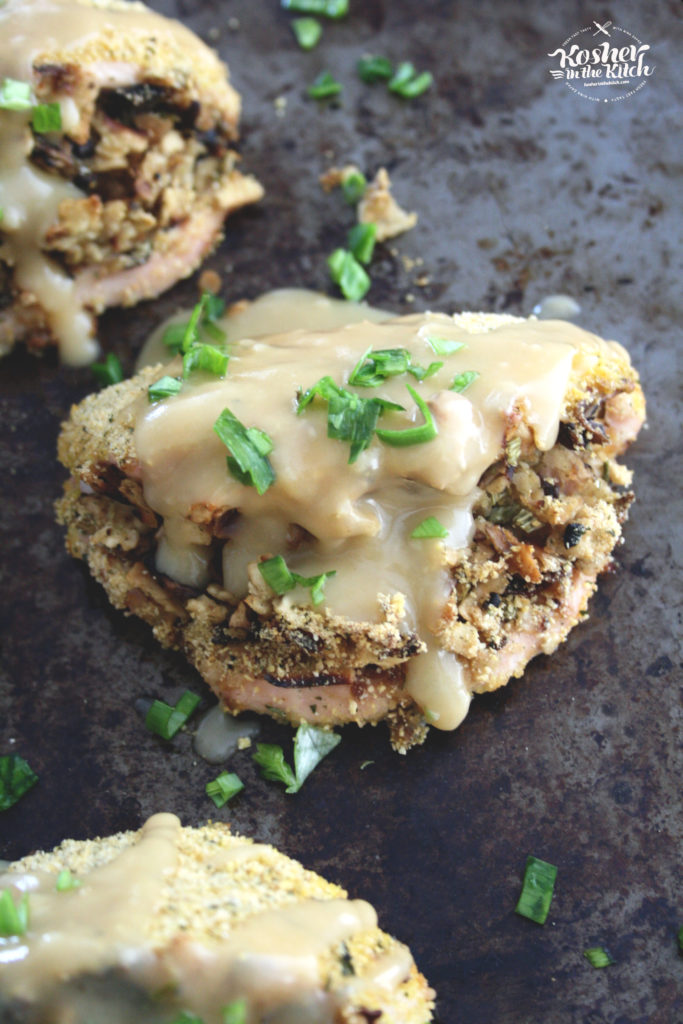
pixel 234 24
pixel 409 297
pixel 244 742
pixel 280 104
pixel 423 280
pixel 379 207
pixel 335 176
pixel 410 262
pixel 210 281
pixel 213 33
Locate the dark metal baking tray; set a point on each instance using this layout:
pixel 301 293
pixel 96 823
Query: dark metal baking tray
pixel 523 189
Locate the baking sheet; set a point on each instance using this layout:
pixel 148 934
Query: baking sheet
pixel 522 189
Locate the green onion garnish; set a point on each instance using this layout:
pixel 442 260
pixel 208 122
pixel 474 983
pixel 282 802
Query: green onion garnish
pixel 422 372
pixel 223 788
pixel 166 721
pixel 281 579
pixel 164 388
pixel 407 83
pixel 187 1018
pixel 428 528
pixel 307 31
pixel 537 890
pixel 15 95
pixel 46 117
pixel 353 187
pixel 373 368
pixel 207 358
pixel 235 1012
pixel 326 8
pixel 598 956
pixel 445 346
pixel 463 380
pixel 16 778
pixel 324 86
pixel 249 449
pixel 427 431
pixel 374 69
pixel 108 372
pixel 362 241
pixel 347 272
pixel 13 916
pixel 181 337
pixel 311 745
pixel 349 416
pixel 66 881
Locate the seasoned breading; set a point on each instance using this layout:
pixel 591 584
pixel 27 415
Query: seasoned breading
pixel 130 194
pixel 192 919
pixel 545 521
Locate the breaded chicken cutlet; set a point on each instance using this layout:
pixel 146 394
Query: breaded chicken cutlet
pixel 117 163
pixel 172 923
pixel 409 511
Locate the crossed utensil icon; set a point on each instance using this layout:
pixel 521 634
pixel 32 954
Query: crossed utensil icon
pixel 602 28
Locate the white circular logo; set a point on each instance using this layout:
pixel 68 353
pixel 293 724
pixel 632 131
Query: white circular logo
pixel 603 63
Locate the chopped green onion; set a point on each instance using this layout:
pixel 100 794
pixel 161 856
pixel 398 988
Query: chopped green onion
pixel 463 380
pixel 422 373
pixel 311 745
pixel 173 336
pixel 445 346
pixel 353 187
pixel 374 69
pixel 15 95
pixel 13 916
pixel 223 788
pixel 407 83
pixel 326 8
pixel 537 890
pixel 181 337
pixel 271 759
pixel 680 940
pixel 249 449
pixel 426 431
pixel 307 31
pixel 187 1018
pixel 207 358
pixel 362 241
pixel 164 388
pixel 365 764
pixel 66 881
pixel 281 579
pixel 324 86
pixel 16 778
pixel 349 416
pixel 165 720
pixel 373 368
pixel 598 956
pixel 235 1012
pixel 428 528
pixel 108 372
pixel 347 272
pixel 46 117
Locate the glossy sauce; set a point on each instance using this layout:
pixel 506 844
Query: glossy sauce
pixel 29 197
pixel 359 515
pixel 271 958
